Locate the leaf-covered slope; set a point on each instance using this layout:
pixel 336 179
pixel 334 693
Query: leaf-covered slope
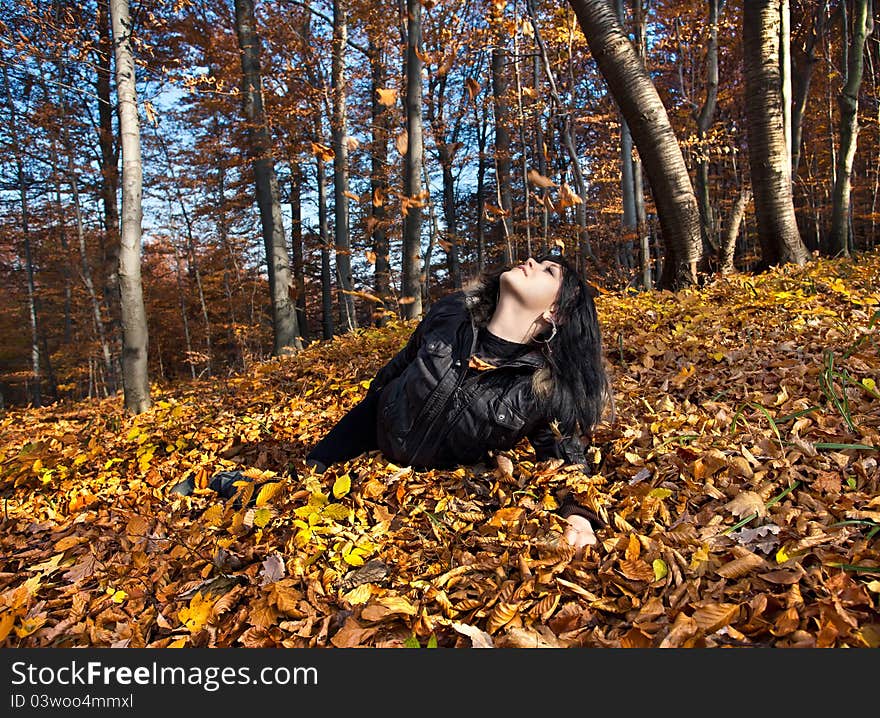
pixel 737 475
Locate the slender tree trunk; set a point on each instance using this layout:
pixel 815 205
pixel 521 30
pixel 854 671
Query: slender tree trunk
pixel 628 219
pixel 728 242
pixel 768 161
pixel 841 239
pixel 541 155
pixel 296 246
pixel 567 135
pixel 644 232
pixel 502 151
pixel 381 129
pixel 21 180
pixel 704 120
pixel 184 311
pixel 653 135
pixel 411 292
pixel 268 197
pixel 339 130
pixel 785 72
pixel 135 337
pixel 482 125
pixel 327 325
pixel 802 73
pixel 191 255
pixel 230 267
pixel 109 191
pixel 85 268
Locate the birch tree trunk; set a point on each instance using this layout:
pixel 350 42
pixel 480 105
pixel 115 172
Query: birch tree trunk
pixel 840 239
pixel 768 160
pixel 135 339
pixel 268 197
pixel 652 132
pixel 410 290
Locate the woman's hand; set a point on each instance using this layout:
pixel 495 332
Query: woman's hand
pixel 579 534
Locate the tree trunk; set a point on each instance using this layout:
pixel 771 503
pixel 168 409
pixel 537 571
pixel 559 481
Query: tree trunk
pixel 768 161
pixel 643 110
pixel 801 75
pixel 704 122
pixel 109 190
pixel 284 323
pixel 381 129
pixel 502 152
pixel 339 130
pixel 135 339
pixel 296 246
pixel 411 292
pixel 728 241
pixel 21 180
pixel 85 267
pixel 840 239
pixel 327 324
pixel 567 135
pixel 628 218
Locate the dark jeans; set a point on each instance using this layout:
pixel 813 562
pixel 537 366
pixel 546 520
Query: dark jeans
pixel 352 435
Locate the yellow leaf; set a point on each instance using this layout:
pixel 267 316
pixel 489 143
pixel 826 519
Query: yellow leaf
pixel 337 512
pixel 196 615
pixel 268 491
pixel 341 486
pixel 119 596
pixel 358 595
pixel 7 620
pixel 29 625
pixel 262 517
pixel 782 556
pixel 38 464
pixel 660 569
pixel 660 493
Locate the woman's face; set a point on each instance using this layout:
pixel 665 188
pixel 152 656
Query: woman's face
pixel 535 285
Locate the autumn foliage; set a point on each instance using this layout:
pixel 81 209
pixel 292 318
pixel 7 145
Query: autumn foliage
pixel 738 476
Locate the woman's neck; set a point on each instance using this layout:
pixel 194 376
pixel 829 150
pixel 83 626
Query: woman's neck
pixel 509 322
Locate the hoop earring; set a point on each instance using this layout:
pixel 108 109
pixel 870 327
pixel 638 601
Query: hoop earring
pixel 552 334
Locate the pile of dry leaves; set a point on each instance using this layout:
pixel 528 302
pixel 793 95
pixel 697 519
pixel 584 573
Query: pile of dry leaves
pixel 738 476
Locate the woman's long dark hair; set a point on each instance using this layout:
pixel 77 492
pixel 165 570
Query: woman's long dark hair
pixel 573 387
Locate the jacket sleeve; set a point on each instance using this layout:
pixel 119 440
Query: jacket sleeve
pixel 548 446
pixel 399 362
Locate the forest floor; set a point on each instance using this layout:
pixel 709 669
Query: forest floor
pixel 739 481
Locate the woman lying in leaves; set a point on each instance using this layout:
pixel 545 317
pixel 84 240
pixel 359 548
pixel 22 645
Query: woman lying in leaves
pixel 520 355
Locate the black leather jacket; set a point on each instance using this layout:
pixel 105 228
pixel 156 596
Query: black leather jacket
pixel 433 413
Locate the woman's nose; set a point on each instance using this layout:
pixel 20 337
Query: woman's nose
pixel 530 262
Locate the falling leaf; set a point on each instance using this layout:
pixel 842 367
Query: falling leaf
pixel 402 142
pixel 536 178
pixel 386 96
